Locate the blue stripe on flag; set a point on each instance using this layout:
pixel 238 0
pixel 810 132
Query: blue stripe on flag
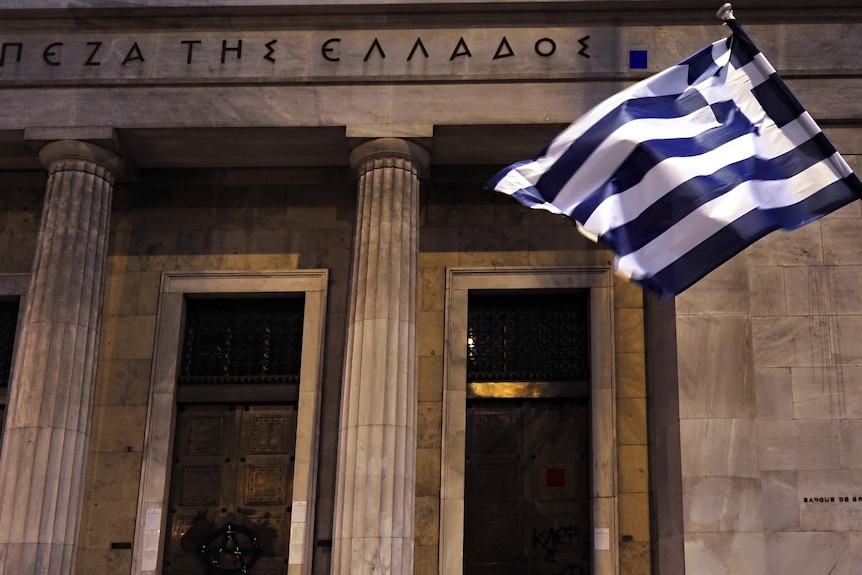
pixel 742 49
pixel 701 259
pixel 529 196
pixel 777 100
pixel 701 65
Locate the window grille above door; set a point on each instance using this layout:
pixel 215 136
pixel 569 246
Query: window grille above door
pixel 242 340
pixel 531 344
pixel 241 349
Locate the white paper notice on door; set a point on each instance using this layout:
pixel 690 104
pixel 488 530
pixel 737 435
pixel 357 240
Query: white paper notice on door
pixel 602 539
pixel 152 532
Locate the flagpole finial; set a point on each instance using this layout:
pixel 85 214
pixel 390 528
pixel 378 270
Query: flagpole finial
pixel 725 12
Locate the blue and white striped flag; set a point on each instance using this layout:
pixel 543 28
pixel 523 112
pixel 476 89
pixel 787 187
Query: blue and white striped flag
pixel 682 171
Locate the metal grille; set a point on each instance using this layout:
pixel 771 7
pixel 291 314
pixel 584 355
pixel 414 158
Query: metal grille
pixel 8 327
pixel 528 337
pixel 242 341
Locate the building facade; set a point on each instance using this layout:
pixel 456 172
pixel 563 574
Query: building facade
pixel 260 316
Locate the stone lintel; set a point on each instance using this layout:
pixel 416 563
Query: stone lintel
pixel 422 134
pixel 104 136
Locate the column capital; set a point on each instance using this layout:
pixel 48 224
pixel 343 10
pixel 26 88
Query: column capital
pixel 80 150
pixel 390 148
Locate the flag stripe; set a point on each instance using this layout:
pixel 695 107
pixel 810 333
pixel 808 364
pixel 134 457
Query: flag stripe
pixel 637 167
pixel 671 208
pixel 705 63
pixel 776 101
pixel 672 81
pixel 612 154
pixel 730 240
pixel 683 170
pixel 726 210
pixel 673 172
pixel 558 174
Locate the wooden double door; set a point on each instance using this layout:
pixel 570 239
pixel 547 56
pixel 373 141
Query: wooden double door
pixel 527 487
pixel 231 486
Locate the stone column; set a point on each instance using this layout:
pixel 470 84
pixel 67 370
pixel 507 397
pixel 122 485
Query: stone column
pixel 47 435
pixel 376 478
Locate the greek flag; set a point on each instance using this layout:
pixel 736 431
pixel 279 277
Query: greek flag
pixel 682 171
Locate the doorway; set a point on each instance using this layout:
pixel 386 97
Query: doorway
pixel 527 506
pixel 229 508
pixel 595 386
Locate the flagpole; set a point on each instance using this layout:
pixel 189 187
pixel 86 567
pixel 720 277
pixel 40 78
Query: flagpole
pixel 725 12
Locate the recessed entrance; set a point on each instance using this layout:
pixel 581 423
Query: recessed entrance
pixel 218 372
pixel 229 510
pixel 527 508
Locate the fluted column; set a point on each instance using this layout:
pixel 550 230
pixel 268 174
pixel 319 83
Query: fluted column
pixel 376 478
pixel 43 459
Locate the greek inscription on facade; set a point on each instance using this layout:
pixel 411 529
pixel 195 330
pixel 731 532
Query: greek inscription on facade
pixel 134 55
pixel 225 49
pixel 50 54
pixel 270 51
pixel 91 61
pixel 374 46
pixel 17 46
pixel 175 56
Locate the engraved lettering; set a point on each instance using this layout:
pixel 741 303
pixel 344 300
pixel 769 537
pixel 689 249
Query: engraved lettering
pixel 133 55
pixel 225 49
pixel 269 46
pixel 326 49
pixel 584 47
pixel 461 49
pixel 330 50
pixel 418 44
pixel 504 50
pixel 90 61
pixel 18 48
pixel 191 44
pixel 375 44
pixel 49 54
pixel 545 47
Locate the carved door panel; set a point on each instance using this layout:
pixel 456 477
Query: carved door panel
pixel 493 487
pixel 527 495
pixel 231 490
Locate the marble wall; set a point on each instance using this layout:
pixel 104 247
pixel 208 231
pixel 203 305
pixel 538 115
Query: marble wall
pixel 754 394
